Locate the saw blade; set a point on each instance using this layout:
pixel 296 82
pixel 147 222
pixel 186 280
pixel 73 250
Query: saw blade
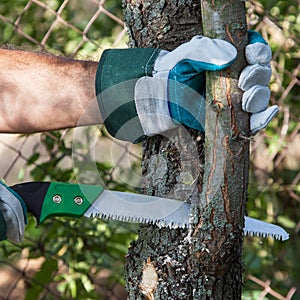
pixel 137 208
pixel 263 229
pixel 163 212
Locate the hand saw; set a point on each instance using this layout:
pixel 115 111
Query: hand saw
pixel 45 199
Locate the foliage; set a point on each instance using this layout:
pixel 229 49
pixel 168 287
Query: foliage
pixel 274 193
pixel 36 19
pixel 75 252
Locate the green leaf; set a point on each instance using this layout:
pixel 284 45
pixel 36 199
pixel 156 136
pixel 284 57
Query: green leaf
pixel 38 173
pixel 33 158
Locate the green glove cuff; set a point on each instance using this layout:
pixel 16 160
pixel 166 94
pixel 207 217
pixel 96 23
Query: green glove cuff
pixel 117 74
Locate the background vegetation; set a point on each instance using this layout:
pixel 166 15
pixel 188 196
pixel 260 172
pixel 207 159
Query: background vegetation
pixel 83 259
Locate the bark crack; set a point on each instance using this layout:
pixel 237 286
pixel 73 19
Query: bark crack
pixel 209 188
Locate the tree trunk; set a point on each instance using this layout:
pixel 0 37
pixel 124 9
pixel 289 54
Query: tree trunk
pixel 217 250
pixel 203 262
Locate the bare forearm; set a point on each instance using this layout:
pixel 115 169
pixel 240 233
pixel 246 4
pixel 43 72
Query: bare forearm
pixel 40 92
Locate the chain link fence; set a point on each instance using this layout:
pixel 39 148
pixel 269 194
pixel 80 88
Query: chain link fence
pixel 43 269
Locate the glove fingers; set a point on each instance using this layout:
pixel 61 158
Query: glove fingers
pixel 256 99
pixel 261 120
pixel 254 80
pixel 254 75
pixel 258 50
pixel 258 53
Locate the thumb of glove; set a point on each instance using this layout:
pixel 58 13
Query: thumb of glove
pixel 198 55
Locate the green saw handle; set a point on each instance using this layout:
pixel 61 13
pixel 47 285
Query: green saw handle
pixel 45 199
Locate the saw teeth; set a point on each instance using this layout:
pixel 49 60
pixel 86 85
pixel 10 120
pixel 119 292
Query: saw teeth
pixel 132 219
pixel 173 225
pixel 262 234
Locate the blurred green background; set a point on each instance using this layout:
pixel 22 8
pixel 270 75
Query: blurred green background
pixel 84 259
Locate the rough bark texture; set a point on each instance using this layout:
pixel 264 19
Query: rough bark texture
pixel 162 23
pixel 205 261
pixel 217 245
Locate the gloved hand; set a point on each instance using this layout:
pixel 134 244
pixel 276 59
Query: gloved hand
pixel 146 91
pixel 13 215
pixel 254 80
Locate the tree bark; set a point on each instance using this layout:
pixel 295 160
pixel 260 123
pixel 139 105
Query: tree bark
pixel 203 262
pixel 219 215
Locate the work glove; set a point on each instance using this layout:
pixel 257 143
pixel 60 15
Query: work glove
pixel 13 215
pixel 254 80
pixel 144 91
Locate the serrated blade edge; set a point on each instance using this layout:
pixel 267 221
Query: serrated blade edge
pixel 254 227
pixel 137 208
pixel 164 212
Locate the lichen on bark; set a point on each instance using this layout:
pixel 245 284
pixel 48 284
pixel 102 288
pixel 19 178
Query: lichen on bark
pixel 161 23
pixel 171 168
